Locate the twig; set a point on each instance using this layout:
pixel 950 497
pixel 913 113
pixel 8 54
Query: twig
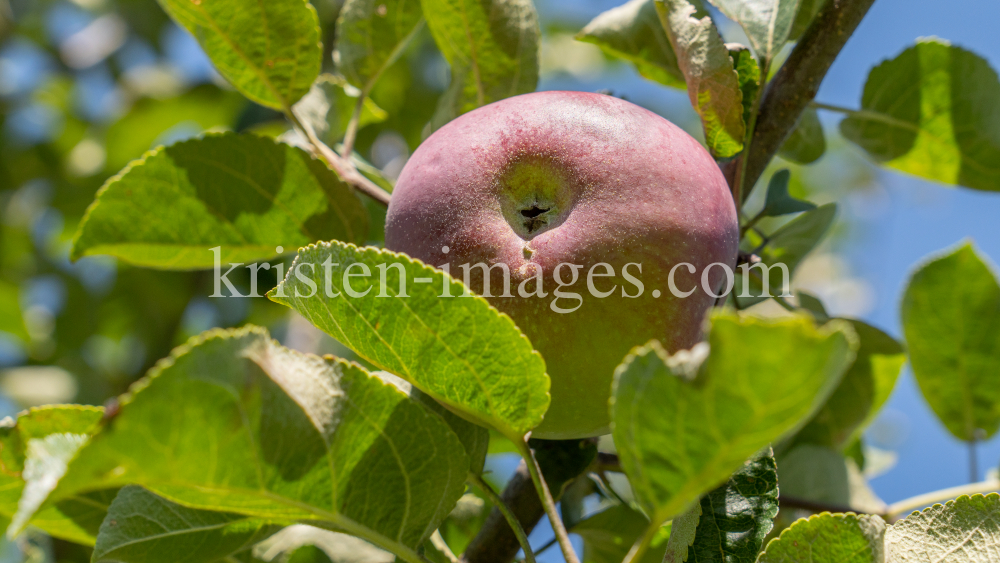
pixel 512 520
pixel 905 506
pixel 547 501
pixel 352 126
pixel 341 165
pixel 495 542
pixel 796 84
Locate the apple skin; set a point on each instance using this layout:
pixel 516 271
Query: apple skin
pixel 620 183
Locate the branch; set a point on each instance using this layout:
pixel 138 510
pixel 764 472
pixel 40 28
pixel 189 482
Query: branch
pixel 561 462
pixel 509 516
pixel 903 507
pixel 341 165
pixel 796 84
pixel 496 542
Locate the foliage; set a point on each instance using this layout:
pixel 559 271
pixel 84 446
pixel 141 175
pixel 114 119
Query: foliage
pixel 233 437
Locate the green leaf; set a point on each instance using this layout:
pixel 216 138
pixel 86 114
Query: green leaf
pixel 242 193
pixel 609 534
pixel 209 428
pixel 823 475
pixel 36 447
pixel 329 107
pixel 767 23
pixel 492 47
pixel 811 303
pixel 11 319
pixel 475 438
pixel 749 76
pixel 371 35
pixel 788 245
pixel 712 82
pixel 735 518
pixel 807 142
pixel 964 530
pixel 829 538
pixel 270 51
pixel 951 320
pixel 144 528
pixel 816 473
pixel 865 388
pixel 459 350
pixel 808 10
pixel 633 32
pixel 934 112
pixel 778 202
pixel 754 381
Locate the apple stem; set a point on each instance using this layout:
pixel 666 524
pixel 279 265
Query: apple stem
pixel 515 525
pixel 547 501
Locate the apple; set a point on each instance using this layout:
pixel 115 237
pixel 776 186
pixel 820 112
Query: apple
pixel 613 192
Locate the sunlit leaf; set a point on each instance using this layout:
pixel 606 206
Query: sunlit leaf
pixel 712 82
pixel 371 35
pixel 270 51
pixel 209 429
pixel 492 47
pixel 749 76
pixel 36 446
pixel 934 112
pixel 964 530
pixel 951 320
pixel 633 32
pixel 459 350
pixel 865 388
pixel 829 538
pixel 242 193
pixel 683 424
pixel 767 23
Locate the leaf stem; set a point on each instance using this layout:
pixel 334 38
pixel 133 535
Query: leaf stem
pixel 352 126
pixel 642 544
pixel 512 520
pixel 908 505
pixel 547 501
pixel 342 166
pixel 867 114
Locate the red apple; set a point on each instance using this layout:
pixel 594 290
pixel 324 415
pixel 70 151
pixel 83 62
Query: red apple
pixel 582 179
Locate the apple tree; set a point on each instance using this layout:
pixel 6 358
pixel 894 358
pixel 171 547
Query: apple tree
pixel 688 425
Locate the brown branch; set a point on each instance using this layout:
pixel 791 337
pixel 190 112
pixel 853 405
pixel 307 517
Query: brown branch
pixel 561 462
pixel 796 84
